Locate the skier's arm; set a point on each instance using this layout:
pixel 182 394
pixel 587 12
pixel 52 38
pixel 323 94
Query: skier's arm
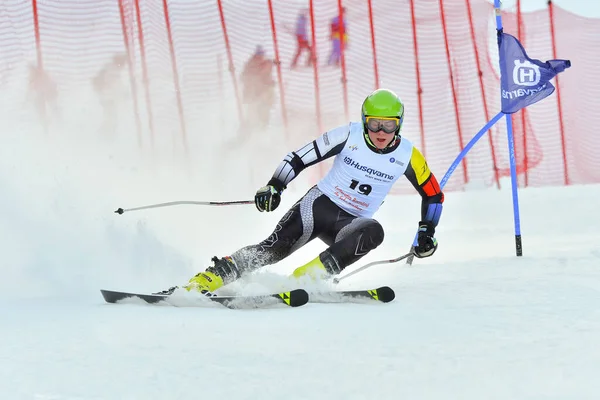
pixel 423 180
pixel 325 146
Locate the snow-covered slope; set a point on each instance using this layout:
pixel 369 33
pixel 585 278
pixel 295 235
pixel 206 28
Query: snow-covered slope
pixel 472 322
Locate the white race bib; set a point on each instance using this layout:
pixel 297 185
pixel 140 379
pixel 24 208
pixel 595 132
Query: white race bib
pixel 360 178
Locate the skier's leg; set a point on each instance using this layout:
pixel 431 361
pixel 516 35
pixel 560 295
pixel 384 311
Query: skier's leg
pixel 334 57
pixel 299 47
pixel 311 55
pixel 355 240
pixel 331 53
pixel 350 240
pixel 296 228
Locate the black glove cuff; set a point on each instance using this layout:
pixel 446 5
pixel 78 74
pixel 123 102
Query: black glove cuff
pixel 430 229
pixel 277 184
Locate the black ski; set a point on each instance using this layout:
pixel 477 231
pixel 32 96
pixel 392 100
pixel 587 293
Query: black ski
pixel 294 298
pixel 384 294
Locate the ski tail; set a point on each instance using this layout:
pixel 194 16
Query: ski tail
pixel 293 298
pixel 383 294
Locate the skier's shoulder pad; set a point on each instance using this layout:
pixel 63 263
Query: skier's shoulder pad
pixel 333 138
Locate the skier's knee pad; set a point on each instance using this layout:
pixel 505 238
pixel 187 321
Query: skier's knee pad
pixel 373 235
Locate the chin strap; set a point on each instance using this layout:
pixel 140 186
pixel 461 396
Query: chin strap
pixel 368 140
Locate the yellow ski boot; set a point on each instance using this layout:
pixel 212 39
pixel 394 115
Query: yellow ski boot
pixel 224 271
pixel 321 268
pixel 314 269
pixel 205 282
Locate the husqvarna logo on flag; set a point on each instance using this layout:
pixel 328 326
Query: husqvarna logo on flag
pixel 526 73
pixel 525 81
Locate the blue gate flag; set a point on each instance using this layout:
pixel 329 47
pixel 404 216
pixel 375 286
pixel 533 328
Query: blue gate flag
pixel 524 81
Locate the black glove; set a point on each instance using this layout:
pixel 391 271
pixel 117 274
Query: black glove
pixel 267 198
pixel 426 243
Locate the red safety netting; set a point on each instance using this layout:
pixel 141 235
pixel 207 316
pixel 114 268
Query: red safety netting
pixel 185 62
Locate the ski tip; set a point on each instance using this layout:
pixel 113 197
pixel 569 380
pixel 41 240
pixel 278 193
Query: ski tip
pixel 297 298
pixel 109 296
pixel 385 294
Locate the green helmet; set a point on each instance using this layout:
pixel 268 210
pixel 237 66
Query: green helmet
pixel 382 103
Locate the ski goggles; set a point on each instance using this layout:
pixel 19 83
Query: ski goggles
pixel 386 124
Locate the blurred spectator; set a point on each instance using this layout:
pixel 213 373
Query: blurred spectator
pixel 108 85
pixel 258 89
pixel 43 93
pixel 302 42
pixel 339 37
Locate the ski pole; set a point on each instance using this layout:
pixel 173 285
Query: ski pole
pixel 177 203
pixel 394 260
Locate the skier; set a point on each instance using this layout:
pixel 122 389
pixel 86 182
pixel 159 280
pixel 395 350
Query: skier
pixel 302 42
pixel 109 88
pixel 339 37
pixel 259 89
pixel 369 157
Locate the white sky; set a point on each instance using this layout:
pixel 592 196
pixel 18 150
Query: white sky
pixel 588 8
